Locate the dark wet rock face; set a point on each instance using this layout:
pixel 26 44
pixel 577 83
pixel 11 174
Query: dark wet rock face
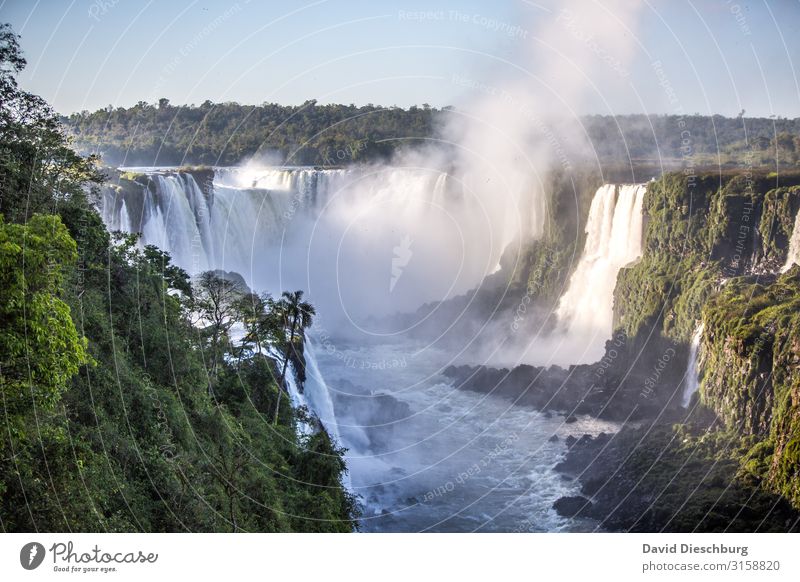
pixel 572 506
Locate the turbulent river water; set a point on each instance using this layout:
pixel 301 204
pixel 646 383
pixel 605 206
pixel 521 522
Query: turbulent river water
pixel 425 456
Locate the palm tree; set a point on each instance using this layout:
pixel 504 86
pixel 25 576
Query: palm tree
pixel 297 317
pixel 261 321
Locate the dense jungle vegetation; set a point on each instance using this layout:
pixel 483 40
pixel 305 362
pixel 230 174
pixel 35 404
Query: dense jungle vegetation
pixel 163 134
pixel 127 405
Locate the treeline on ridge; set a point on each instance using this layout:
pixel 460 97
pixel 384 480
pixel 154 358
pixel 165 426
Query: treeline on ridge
pixel 163 134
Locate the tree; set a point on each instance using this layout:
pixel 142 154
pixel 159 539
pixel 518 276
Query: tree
pixel 217 306
pixel 297 316
pixel 38 169
pixel 40 349
pixel 142 438
pixel 262 322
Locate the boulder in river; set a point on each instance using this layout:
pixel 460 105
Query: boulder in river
pixel 572 506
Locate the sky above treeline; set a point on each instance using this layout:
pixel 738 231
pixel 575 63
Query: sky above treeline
pixel 655 56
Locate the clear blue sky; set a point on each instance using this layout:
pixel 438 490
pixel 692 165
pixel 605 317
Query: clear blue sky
pixel 719 56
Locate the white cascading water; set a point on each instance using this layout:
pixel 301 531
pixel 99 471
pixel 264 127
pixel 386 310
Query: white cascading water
pixel 613 240
pixel 124 219
pixel 272 225
pixel 296 396
pixel 793 256
pixel 317 394
pixel 692 380
pixel 314 395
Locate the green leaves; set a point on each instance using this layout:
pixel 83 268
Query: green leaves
pixel 38 168
pixel 145 438
pixel 39 345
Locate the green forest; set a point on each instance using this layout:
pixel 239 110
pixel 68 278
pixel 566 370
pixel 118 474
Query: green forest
pixel 162 134
pixel 128 405
pixel 229 133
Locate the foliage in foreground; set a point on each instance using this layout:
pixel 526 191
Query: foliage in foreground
pixel 119 414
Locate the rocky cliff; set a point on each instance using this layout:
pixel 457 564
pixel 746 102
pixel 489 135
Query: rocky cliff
pixel 714 245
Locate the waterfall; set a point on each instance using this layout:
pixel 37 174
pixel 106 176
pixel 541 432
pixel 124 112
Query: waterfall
pixel 124 218
pixel 319 400
pixel 184 218
pixel 296 397
pixel 317 393
pixel 244 214
pixel 154 230
pixel 793 256
pixel 333 232
pixel 692 381
pixel 613 240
